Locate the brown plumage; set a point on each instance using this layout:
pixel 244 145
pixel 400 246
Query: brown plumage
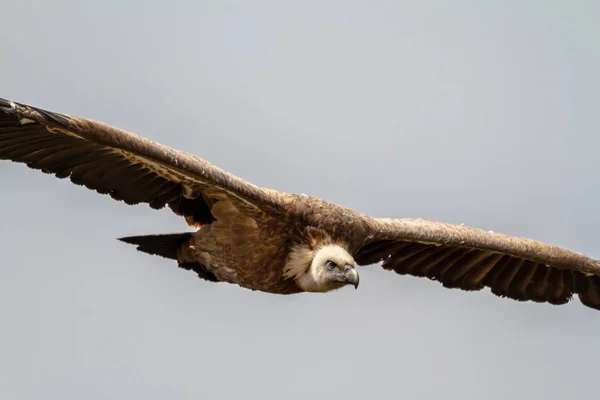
pixel 275 242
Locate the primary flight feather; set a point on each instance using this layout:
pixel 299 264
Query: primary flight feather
pixel 276 242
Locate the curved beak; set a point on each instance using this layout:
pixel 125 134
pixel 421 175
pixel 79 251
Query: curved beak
pixel 351 275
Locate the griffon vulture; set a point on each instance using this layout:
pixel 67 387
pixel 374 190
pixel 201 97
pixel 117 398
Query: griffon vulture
pixel 275 242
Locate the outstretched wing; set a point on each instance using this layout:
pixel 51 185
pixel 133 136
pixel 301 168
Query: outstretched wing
pixel 471 259
pixel 125 166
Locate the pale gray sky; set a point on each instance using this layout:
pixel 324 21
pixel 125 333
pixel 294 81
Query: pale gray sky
pixel 483 113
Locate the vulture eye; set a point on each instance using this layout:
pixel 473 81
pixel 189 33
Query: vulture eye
pixel 330 265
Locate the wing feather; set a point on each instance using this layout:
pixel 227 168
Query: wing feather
pixel 472 259
pixel 125 166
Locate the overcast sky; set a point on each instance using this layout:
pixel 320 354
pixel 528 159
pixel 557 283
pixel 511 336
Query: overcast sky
pixel 483 113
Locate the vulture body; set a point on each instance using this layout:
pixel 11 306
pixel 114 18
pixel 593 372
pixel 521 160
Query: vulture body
pixel 281 243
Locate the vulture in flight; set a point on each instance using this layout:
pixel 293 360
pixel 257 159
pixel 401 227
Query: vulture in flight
pixel 275 242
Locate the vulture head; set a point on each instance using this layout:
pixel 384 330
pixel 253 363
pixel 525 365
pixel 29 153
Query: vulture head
pixel 331 268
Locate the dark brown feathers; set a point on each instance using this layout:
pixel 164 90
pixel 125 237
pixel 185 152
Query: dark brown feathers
pixel 471 259
pixel 164 245
pixel 114 162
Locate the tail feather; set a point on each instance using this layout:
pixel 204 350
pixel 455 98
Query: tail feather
pixel 164 245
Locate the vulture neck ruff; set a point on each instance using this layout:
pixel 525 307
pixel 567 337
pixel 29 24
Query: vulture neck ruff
pixel 304 265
